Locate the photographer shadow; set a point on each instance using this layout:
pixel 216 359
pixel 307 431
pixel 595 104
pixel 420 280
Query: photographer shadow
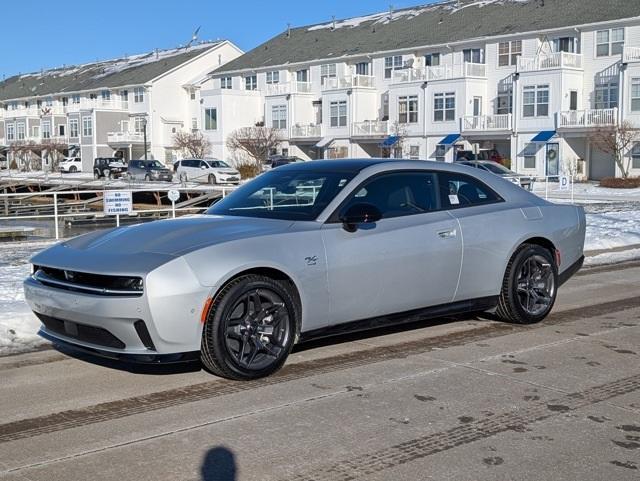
pixel 219 465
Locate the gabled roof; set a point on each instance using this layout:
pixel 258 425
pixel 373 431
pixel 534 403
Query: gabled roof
pixel 132 70
pixel 433 24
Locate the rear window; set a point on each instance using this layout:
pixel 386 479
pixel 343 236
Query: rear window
pixel 459 190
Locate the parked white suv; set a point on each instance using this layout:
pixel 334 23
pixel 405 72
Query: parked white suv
pixel 212 171
pixel 71 164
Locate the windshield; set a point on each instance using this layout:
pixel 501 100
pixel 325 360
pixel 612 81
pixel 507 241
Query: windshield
pixel 497 169
pixel 217 164
pixel 153 164
pixel 288 195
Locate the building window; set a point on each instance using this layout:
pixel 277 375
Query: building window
pixel 279 116
pixel 87 127
pixel 11 133
pixel 473 55
pixel 61 129
pixel 138 125
pixel 14 105
pixel 273 77
pixel 441 151
pixel 226 83
pixel 194 124
pixel 65 101
pixel 106 95
pixel 75 99
pixel 124 95
pixel 73 127
pixel 363 68
pixel 338 113
pixel 35 131
pixel 138 95
pixel 504 103
pixel 535 101
pixel 251 82
pixel 508 53
pixel 444 107
pixel 391 64
pixel 609 42
pixel 635 94
pixel 48 102
pixel 327 71
pixel 192 95
pixel 565 44
pixel 408 109
pixel 302 75
pixel 46 129
pixel 529 154
pixel 414 152
pixel 635 156
pixel 606 95
pixel 20 134
pixel 432 60
pixel 210 119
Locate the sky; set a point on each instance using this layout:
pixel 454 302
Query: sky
pixel 39 34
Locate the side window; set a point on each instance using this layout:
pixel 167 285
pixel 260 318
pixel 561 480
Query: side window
pixel 459 190
pixel 202 163
pixel 398 194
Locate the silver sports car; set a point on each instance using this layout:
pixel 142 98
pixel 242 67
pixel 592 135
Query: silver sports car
pixel 307 250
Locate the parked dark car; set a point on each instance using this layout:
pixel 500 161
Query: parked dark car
pixel 483 154
pixel 108 167
pixel 278 160
pixel 149 170
pixel 525 181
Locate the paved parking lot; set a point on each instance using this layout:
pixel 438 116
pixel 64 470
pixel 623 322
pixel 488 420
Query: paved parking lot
pixel 465 399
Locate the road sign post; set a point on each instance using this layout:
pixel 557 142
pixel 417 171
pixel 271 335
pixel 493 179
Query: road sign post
pixel 173 195
pixel 118 202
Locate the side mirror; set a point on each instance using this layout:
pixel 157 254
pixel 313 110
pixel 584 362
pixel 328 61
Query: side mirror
pixel 360 214
pixel 203 167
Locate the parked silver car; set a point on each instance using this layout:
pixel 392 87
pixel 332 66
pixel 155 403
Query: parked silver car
pixel 148 170
pixel 525 181
pixel 212 171
pixel 301 251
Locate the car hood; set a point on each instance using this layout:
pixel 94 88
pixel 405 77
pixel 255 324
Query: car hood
pixel 143 247
pixel 226 170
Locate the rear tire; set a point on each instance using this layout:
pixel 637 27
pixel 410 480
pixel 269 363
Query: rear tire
pixel 530 286
pixel 147 178
pixel 96 174
pixel 250 328
pixel 212 179
pixel 73 169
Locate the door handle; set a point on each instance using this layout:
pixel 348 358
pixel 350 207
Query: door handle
pixel 446 234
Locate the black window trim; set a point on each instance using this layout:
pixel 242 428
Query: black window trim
pixel 334 218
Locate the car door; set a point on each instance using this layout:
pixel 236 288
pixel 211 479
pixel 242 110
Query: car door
pixel 409 259
pixel 186 167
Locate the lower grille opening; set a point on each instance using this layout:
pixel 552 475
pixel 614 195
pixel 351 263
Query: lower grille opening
pixel 143 334
pixel 81 332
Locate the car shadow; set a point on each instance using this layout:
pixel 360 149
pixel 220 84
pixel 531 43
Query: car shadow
pixel 219 465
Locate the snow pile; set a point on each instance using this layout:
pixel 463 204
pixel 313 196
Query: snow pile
pixel 607 258
pixel 612 230
pixel 383 18
pixel 18 325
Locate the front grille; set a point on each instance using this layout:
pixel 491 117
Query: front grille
pixel 98 284
pixel 90 334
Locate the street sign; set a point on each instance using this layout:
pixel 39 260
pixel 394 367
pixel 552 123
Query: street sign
pixel 174 195
pixel 118 202
pixel 564 182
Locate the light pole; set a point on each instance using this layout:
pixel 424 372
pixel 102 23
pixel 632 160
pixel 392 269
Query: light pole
pixel 144 133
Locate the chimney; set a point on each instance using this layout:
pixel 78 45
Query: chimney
pixel 333 22
pixel 288 30
pixel 390 12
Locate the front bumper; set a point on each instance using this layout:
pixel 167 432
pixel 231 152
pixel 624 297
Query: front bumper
pixel 163 320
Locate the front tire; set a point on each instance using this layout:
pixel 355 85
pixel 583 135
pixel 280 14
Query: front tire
pixel 73 169
pixel 250 328
pixel 212 179
pixel 530 286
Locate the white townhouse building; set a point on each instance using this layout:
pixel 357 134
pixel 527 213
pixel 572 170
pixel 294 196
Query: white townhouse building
pixel 105 108
pixel 529 78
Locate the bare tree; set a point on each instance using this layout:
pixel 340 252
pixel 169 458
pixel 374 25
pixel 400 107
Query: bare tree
pixel 617 141
pixel 399 131
pixel 192 144
pixel 257 142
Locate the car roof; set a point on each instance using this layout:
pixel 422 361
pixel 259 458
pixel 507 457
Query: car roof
pixel 338 165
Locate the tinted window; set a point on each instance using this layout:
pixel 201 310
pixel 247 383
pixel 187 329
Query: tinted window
pixel 458 190
pixel 202 163
pixel 398 194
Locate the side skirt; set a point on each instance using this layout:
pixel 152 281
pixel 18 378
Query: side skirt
pixel 454 308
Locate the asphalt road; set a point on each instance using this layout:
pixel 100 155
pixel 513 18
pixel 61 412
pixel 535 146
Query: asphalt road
pixel 465 399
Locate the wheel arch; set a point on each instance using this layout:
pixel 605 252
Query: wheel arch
pixel 273 273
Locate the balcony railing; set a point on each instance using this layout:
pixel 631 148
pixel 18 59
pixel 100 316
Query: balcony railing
pixel 124 137
pixel 480 123
pixel 448 72
pixel 353 81
pixel 370 128
pixel 288 88
pixel 410 75
pixel 306 131
pixel 588 118
pixel 550 62
pixel 631 54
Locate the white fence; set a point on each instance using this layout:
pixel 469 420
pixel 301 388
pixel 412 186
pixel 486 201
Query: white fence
pixel 7 202
pixel 552 61
pixel 487 122
pixel 588 118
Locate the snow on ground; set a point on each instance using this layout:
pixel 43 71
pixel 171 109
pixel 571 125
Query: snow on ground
pixel 612 230
pixel 607 258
